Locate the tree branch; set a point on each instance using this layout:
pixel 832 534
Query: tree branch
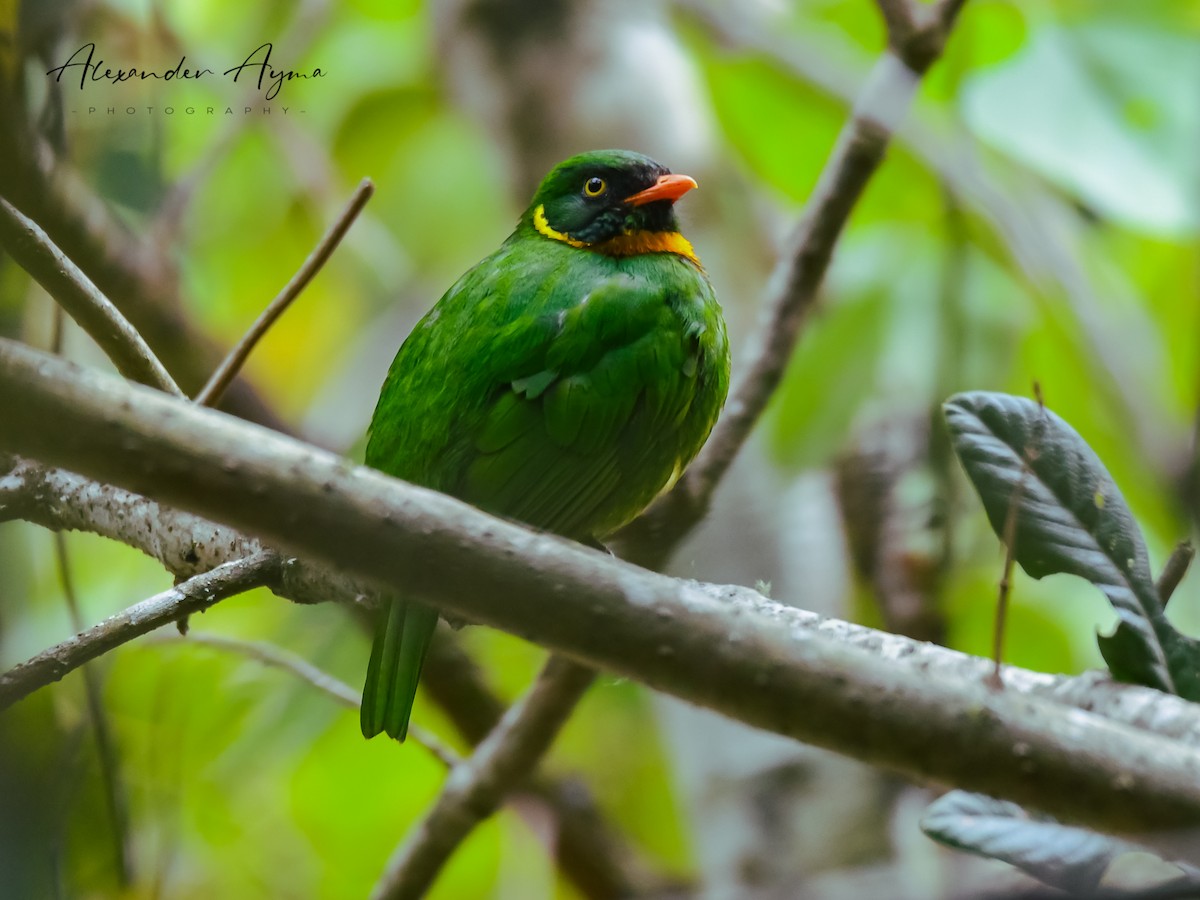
pixel 477 786
pixel 195 595
pixel 878 110
pixel 726 648
pixel 854 159
pixel 37 254
pixel 134 271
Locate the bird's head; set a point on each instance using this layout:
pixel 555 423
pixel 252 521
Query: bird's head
pixel 603 196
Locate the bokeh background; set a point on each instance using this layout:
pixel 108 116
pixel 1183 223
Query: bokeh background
pixel 1038 218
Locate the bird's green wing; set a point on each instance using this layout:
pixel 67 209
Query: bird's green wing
pixel 613 407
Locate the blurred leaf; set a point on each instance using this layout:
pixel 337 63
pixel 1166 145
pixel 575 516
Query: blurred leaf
pixel 780 126
pixel 9 61
pixel 1118 127
pixel 1072 519
pixel 1069 858
pixel 378 121
pixel 996 30
pixel 831 375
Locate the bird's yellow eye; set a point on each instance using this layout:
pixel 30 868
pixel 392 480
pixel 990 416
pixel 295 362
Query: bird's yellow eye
pixel 594 187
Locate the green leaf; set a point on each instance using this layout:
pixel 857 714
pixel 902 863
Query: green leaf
pixel 1122 103
pixel 1069 858
pixel 848 338
pixel 1071 519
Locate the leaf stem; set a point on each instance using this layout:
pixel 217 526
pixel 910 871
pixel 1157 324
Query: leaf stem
pixel 1176 567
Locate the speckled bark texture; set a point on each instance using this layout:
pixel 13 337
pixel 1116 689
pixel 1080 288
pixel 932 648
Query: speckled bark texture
pixel 914 709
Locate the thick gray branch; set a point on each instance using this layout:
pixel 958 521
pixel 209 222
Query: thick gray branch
pixel 186 545
pixel 728 649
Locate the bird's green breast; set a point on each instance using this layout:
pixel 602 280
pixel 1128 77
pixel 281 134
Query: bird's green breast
pixel 557 386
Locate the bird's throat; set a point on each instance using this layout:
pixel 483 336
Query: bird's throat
pixel 633 243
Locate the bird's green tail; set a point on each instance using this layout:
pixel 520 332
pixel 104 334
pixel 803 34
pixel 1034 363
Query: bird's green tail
pixel 401 640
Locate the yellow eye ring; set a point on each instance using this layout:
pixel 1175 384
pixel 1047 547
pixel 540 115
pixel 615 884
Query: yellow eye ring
pixel 594 187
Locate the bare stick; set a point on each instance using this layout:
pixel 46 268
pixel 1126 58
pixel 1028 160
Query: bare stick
pixel 1011 517
pixel 114 792
pixel 194 595
pixel 211 393
pixel 477 786
pixel 334 688
pixel 37 254
pixel 1174 570
pixel 1010 540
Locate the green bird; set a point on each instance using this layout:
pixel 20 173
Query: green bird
pixel 564 382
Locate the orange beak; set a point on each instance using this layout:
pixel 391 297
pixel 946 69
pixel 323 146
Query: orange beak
pixel 668 187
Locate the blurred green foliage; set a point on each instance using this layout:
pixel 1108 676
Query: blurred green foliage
pixel 244 782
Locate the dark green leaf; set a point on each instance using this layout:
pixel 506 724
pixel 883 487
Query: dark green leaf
pixel 1073 859
pixel 1073 519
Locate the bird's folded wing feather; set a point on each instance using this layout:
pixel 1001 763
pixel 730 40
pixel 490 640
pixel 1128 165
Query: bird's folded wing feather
pixel 575 418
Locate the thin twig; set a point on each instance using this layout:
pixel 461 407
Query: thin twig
pixel 232 364
pixel 106 750
pixel 476 787
pixel 1011 518
pixel 1010 540
pixel 587 850
pixel 195 595
pixel 1174 570
pixel 334 688
pixel 33 250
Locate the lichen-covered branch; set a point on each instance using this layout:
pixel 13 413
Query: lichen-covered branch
pixel 726 648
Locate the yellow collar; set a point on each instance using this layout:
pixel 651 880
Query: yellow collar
pixel 633 243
